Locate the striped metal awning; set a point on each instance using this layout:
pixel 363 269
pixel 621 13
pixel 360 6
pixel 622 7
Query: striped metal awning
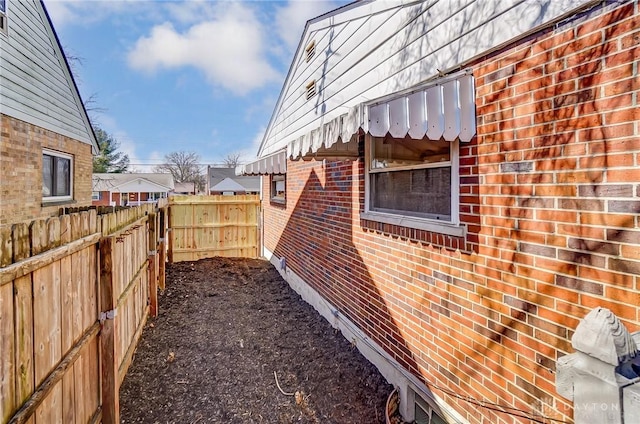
pixel 273 164
pixel 443 108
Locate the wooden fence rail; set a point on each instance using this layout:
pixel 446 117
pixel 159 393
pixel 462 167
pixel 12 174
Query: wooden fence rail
pixel 68 328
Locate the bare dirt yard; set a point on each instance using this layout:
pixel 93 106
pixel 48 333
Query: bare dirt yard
pixel 225 326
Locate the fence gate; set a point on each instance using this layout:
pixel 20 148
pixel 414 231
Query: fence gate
pixel 208 226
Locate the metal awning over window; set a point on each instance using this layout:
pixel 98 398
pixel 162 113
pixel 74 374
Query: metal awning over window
pixel 441 109
pixel 444 110
pixel 272 164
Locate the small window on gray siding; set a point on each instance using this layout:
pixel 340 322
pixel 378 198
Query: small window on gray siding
pixel 4 23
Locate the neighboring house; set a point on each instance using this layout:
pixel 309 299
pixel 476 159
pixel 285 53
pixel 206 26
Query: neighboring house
pixel 225 181
pixel 458 184
pixel 130 189
pixel 185 188
pixel 46 143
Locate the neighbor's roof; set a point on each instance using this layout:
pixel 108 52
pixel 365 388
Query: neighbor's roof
pixel 111 182
pixel 217 175
pixel 228 185
pixel 185 187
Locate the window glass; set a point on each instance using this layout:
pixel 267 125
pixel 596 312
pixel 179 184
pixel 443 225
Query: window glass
pixel 57 178
pixel 420 192
pixel 62 175
pixel 395 153
pixel 425 414
pixel 278 188
pixel 411 177
pixel 47 175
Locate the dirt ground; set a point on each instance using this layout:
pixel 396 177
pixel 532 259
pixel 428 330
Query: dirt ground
pixel 225 326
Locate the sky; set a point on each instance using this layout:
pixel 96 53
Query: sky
pixel 198 76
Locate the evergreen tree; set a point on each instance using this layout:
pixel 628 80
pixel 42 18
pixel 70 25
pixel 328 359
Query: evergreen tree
pixel 109 160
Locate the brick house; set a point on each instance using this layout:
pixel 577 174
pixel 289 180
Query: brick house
pixel 46 143
pixel 130 189
pixel 455 185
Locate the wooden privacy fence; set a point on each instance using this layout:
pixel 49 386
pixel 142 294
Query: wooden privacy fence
pixel 207 226
pixel 75 292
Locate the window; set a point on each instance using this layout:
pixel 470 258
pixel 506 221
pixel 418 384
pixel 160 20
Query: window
pixel 413 183
pixel 96 195
pixel 4 24
pixel 425 414
pixel 278 188
pixel 57 176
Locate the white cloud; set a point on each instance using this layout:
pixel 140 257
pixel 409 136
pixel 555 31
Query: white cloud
pixel 291 19
pixel 228 49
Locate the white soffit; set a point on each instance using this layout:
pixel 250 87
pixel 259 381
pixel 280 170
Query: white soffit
pixel 445 109
pixel 272 164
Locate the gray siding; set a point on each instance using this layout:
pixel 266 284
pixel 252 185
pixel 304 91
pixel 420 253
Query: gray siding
pixel 368 50
pixel 35 84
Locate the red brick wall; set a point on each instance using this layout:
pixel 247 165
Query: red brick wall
pixel 115 198
pixel 21 147
pixel 550 195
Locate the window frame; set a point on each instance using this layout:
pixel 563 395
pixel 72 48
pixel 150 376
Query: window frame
pixel 427 409
pixel 451 227
pixel 273 179
pixel 4 21
pixel 56 154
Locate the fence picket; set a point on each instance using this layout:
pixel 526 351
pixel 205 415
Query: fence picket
pixel 50 340
pixel 7 352
pixel 38 235
pixel 23 303
pixel 53 233
pixel 21 242
pixel 6 246
pixel 65 229
pixel 153 282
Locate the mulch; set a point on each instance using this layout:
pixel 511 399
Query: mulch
pixel 224 327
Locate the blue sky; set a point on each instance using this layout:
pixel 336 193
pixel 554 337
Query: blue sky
pixel 200 75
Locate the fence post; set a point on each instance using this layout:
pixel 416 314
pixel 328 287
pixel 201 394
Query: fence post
pixel 153 282
pixel 162 250
pixel 108 340
pixel 169 234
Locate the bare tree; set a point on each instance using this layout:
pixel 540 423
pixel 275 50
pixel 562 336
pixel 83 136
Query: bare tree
pixel 232 160
pixel 184 167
